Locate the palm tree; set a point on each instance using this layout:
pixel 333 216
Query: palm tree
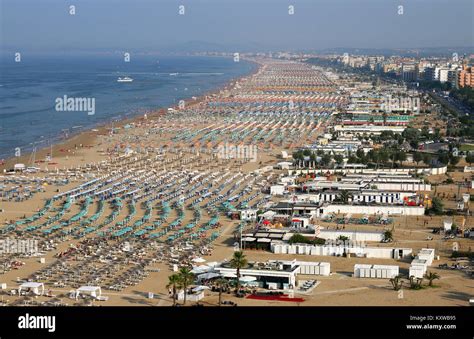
pixel 396 282
pixel 431 276
pixel 174 282
pixel 345 196
pixel 238 261
pixel 415 283
pixel 221 283
pixel 342 239
pixel 186 278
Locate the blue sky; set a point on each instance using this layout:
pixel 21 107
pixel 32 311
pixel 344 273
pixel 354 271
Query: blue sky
pixel 155 25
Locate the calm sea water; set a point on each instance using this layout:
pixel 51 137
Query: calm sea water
pixel 29 89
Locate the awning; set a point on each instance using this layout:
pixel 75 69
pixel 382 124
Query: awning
pixel 210 275
pixel 200 288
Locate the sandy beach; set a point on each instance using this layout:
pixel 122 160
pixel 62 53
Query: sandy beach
pixel 128 204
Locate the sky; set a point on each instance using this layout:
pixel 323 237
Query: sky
pixel 234 25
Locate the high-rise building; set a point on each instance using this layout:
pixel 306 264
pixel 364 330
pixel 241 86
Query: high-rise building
pixel 430 73
pixel 443 74
pixel 409 72
pixel 466 77
pixel 453 77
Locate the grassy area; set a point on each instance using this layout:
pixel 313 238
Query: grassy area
pixel 466 147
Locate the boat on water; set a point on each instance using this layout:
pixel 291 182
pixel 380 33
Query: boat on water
pixel 124 79
pixel 172 74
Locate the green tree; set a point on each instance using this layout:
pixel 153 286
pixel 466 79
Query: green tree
pixel 400 156
pixel 426 158
pixel 325 160
pixel 437 206
pixel 454 160
pixel 431 276
pixel 352 159
pixel 298 155
pixel 470 158
pixel 238 261
pixel 386 135
pixel 425 133
pixel 443 158
pixel 384 156
pixel 342 238
pixel 411 134
pixel 174 282
pixel 344 196
pixel 415 283
pixel 298 238
pixel 339 159
pixel 186 278
pixel 388 236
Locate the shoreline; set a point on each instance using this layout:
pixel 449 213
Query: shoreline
pixel 88 136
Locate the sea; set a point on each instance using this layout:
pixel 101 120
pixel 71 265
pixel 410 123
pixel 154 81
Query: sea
pixel 30 90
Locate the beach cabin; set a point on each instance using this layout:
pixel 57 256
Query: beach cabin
pixel 375 271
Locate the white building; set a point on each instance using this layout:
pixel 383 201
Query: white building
pixel 443 74
pixel 371 210
pixel 279 247
pixel 276 274
pixel 420 264
pixel 351 235
pixel 375 271
pixel 367 129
